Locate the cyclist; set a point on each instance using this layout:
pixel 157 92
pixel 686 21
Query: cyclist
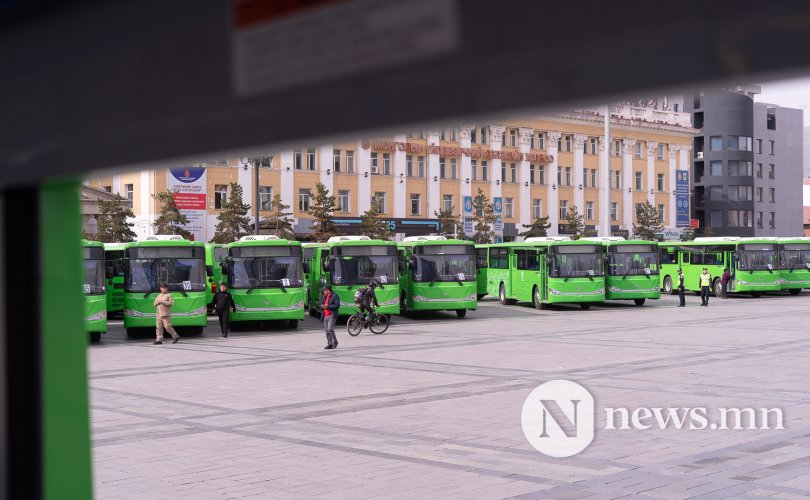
pixel 364 298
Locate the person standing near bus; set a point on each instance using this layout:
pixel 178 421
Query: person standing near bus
pixel 705 286
pixel 724 280
pixel 681 290
pixel 330 302
pixel 223 300
pixel 163 303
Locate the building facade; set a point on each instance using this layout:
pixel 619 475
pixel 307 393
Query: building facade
pixel 747 165
pixel 533 167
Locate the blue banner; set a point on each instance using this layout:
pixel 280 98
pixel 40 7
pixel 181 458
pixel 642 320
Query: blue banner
pixel 467 215
pixel 682 198
pixel 497 205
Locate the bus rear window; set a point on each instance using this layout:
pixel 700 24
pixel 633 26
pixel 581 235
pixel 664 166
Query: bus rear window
pixel 577 249
pixel 92 253
pixel 634 248
pixel 166 253
pixel 265 251
pixel 481 258
pixel 365 250
pixel 444 249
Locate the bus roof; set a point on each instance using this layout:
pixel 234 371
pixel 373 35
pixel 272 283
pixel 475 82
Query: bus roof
pixel 90 243
pixel 164 243
pixel 445 241
pixel 357 242
pixel 113 246
pixel 277 242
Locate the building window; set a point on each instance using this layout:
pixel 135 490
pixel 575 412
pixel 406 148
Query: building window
pixel 537 208
pixel 349 162
pixel 297 159
pixel 503 138
pixel 739 143
pixel 343 201
pixel 559 176
pixel 107 189
pixel 513 137
pixel 660 151
pixel 716 218
pixel 617 147
pixel 375 163
pixel 739 167
pixel 593 178
pixel 568 139
pixel 638 149
pixel 441 135
pixel 589 210
pixel 453 134
pixel 447 202
pixel 220 195
pixel 771 174
pixel 563 209
pixel 740 218
pixel 442 168
pixel 741 193
pixel 759 195
pixel 474 169
pixel 386 163
pixel 484 170
pixel 420 164
pixel 513 171
pixel 639 186
pixel 336 160
pixel 661 211
pixel 473 135
pixel 772 147
pixel 483 135
pixel 660 185
pixel 716 168
pixel 716 193
pixel 541 140
pixel 759 170
pixel 129 191
pixel 772 220
pixel 532 174
pixel 421 134
pixel 567 176
pixel 311 159
pixel 771 195
pixel 585 177
pixel 716 143
pixel 508 207
pixel 379 199
pixel 409 165
pixel 617 177
pixel 416 202
pixel 614 210
pixel 531 142
pixel 503 171
pixel 304 199
pixel 593 145
pixel 453 168
pixel 759 149
pixel 266 197
pixel 541 170
pixel 759 220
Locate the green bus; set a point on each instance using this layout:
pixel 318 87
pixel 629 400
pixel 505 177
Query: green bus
pixel 545 271
pixel 215 254
pixel 752 262
pixel 481 269
pixel 165 259
pixel 794 259
pixel 437 274
pixel 95 291
pixel 348 263
pixel 631 269
pixel 114 272
pixel 266 278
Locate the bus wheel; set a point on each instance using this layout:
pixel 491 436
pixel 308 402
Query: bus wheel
pixel 313 312
pixel 639 302
pixel 502 295
pixel 132 333
pixel 585 306
pixel 196 330
pixel 461 313
pixel 95 337
pixel 537 302
pixel 756 295
pixel 293 323
pixel 717 288
pixel 668 286
pixel 795 291
pixel 480 296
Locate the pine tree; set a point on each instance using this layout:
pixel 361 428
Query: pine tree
pixel 322 211
pixel 484 216
pixel 450 225
pixel 112 221
pixel 537 228
pixel 373 225
pixel 233 219
pixel 171 220
pixel 280 222
pixel 576 223
pixel 648 222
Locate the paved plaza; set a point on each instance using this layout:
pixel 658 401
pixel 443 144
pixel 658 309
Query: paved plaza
pixel 432 408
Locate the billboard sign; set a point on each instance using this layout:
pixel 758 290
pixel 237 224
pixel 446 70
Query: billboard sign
pixel 682 198
pixel 467 214
pixel 188 186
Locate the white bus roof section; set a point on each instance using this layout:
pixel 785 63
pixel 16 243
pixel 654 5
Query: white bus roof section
pixel 337 239
pixel 604 238
pixel 162 237
pixel 409 239
pixel 259 237
pixel 542 239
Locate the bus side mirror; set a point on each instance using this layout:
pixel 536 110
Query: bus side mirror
pixel 305 266
pixel 209 270
pixel 109 272
pixel 412 261
pixel 226 269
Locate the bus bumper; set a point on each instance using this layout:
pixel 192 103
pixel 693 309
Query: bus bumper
pixel 264 305
pixel 139 319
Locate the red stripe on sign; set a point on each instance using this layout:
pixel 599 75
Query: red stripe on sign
pixel 251 12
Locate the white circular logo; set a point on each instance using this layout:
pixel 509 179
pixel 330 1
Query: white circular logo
pixel 558 418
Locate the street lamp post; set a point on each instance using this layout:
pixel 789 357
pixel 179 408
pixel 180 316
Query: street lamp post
pixel 257 161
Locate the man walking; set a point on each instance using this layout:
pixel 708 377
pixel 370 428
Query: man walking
pixel 223 300
pixel 705 285
pixel 163 303
pixel 681 291
pixel 330 302
pixel 724 281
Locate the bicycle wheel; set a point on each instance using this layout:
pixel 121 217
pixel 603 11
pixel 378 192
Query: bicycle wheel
pixel 379 324
pixel 354 325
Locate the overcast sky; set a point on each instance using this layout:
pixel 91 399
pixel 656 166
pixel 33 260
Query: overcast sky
pixel 789 93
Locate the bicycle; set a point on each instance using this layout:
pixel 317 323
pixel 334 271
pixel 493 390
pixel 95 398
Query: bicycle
pixel 378 324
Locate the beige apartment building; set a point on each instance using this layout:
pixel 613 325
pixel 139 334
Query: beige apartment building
pixel 533 167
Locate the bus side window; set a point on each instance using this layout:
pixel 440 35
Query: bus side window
pixel 481 258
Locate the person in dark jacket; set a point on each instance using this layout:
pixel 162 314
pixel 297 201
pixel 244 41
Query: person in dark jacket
pixel 223 300
pixel 724 281
pixel 330 303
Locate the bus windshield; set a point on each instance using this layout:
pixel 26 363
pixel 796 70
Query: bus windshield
pixel 573 262
pixel 444 267
pixel 115 260
pixel 94 277
pixel 759 257
pixel 796 255
pixel 359 265
pixel 179 274
pixel 632 260
pixel 266 272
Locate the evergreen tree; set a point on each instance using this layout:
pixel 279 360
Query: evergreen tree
pixel 280 222
pixel 484 216
pixel 648 222
pixel 233 219
pixel 171 220
pixel 373 225
pixel 576 223
pixel 450 225
pixel 537 228
pixel 322 210
pixel 112 222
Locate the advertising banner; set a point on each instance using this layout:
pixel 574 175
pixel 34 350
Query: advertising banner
pixel 467 215
pixel 188 186
pixel 497 205
pixel 682 198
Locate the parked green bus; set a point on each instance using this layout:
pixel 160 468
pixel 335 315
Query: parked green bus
pixel 546 270
pixel 350 262
pixel 631 269
pixel 165 259
pixel 437 274
pixel 114 272
pixel 794 258
pixel 95 291
pixel 266 278
pixel 481 269
pixel 752 262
